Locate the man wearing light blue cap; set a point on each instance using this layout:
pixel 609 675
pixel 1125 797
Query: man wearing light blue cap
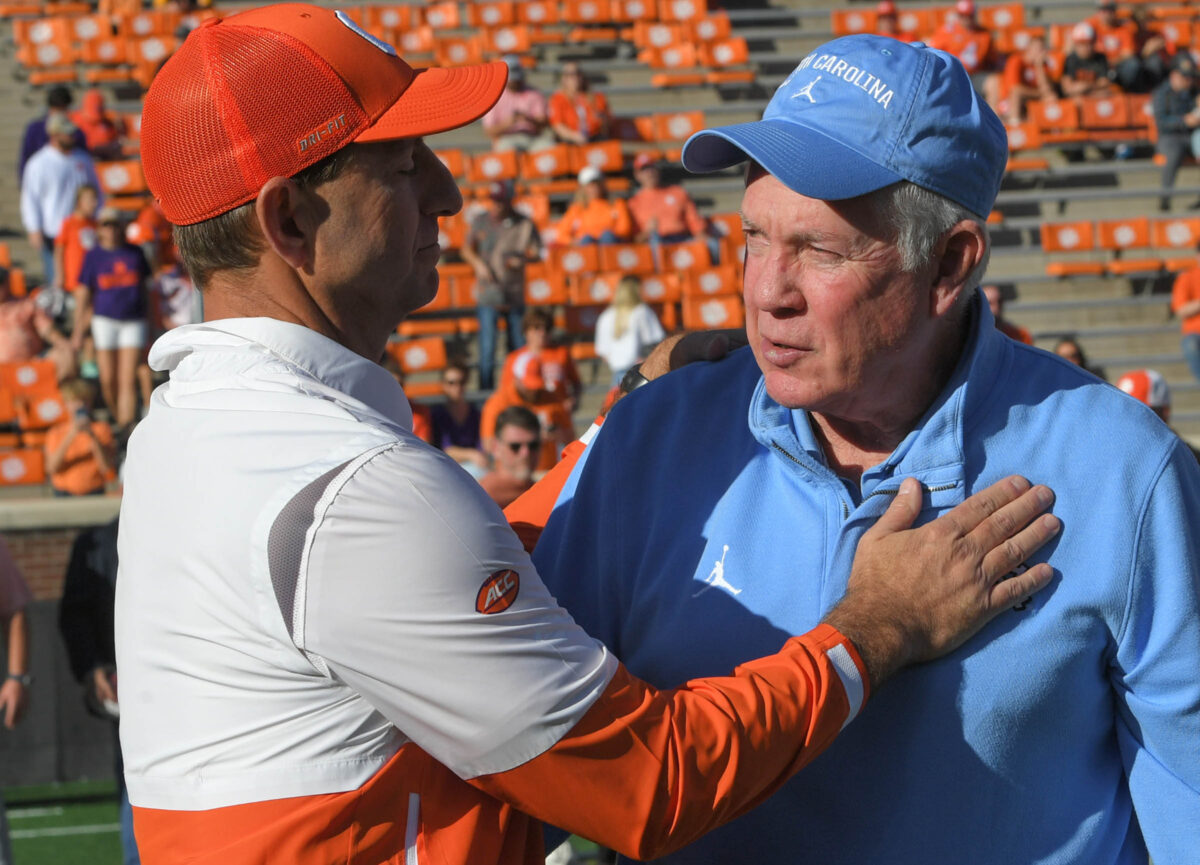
pixel 1067 731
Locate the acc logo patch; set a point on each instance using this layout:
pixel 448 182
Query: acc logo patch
pixel 498 592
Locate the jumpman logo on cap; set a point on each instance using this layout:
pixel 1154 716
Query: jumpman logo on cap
pixel 806 90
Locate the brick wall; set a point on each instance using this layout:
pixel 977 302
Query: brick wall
pixel 42 556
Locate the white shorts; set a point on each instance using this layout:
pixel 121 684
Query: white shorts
pixel 110 333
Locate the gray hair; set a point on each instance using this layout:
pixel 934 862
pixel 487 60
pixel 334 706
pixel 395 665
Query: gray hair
pixel 918 218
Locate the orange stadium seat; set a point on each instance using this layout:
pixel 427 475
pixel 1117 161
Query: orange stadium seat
pixel 586 12
pixel 681 10
pixel 398 16
pixel 149 23
pixel 682 55
pixel 1024 136
pixel 1104 112
pixel 544 287
pixel 8 409
pixel 604 155
pixel 711 282
pixel 1067 236
pixel 581 320
pixel 633 10
pixel 412 328
pixel 39 411
pixel 573 260
pixel 678 79
pixel 464 292
pixel 516 39
pixel 18 10
pixel 1054 114
pixel 5 254
pixel 728 224
pixel 918 22
pixel 121 178
pixel 28 377
pixel 657 34
pixel 691 255
pixel 452 231
pixel 420 355
pixel 16 282
pixel 730 76
pixel 443 300
pixel 464 51
pixel 1141 110
pixel 846 22
pixel 85 28
pixel 486 167
pixel 537 12
pixel 1075 268
pixel 712 27
pixel 706 313
pixel 21 467
pixel 1178 33
pixel 152 49
pixel 635 258
pixel 491 13
pixel 443 16
pixel 1176 233
pixel 9 441
pixel 418 40
pixel 593 288
pixel 42 31
pixel 549 162
pixel 677 125
pixel 1118 234
pixel 1002 17
pixel 50 53
pixel 726 52
pixel 661 288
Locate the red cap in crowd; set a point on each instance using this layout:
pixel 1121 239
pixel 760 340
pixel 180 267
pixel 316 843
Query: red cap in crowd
pixel 644 160
pixel 965 7
pixel 886 8
pixel 268 92
pixel 1147 386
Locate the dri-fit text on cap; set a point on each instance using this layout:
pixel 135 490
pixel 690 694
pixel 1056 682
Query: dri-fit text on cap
pixel 860 78
pixel 314 137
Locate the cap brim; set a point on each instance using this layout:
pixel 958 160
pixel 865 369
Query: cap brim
pixel 440 99
pixel 805 160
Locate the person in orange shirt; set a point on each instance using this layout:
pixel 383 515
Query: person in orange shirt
pixel 1185 303
pixel 80 458
pixel 102 131
pixel 1028 75
pixel 887 23
pixel 151 231
pixel 593 217
pixel 577 115
pixel 995 299
pixel 661 213
pixel 76 236
pixel 962 36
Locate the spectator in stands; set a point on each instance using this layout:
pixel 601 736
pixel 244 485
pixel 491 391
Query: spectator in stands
pixel 75 237
pixel 14 691
pixel 1028 75
pixel 58 100
pixel 422 425
pixel 111 302
pixel 1116 38
pixel 27 331
pixel 1176 118
pixel 1148 387
pixel 102 130
pixel 1068 348
pixel 593 217
pixel 80 455
pixel 627 329
pixel 1086 70
pixel 995 299
pixel 499 243
pixel 85 621
pixel 662 214
pixel 49 185
pixel 515 453
pixel 151 231
pixel 577 115
pixel 1185 303
pixel 887 23
pixel 542 377
pixel 1154 53
pixel 962 36
pixel 519 121
pixel 456 421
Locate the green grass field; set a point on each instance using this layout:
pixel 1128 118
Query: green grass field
pixel 64 824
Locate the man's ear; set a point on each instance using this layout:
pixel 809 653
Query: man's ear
pixel 282 209
pixel 963 248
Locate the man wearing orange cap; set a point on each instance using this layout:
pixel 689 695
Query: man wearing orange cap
pixel 331 646
pixel 1149 387
pixel 887 23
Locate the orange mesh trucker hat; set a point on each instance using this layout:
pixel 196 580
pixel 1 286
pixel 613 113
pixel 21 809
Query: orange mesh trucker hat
pixel 268 92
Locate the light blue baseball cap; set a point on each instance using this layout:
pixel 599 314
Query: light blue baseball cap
pixel 863 112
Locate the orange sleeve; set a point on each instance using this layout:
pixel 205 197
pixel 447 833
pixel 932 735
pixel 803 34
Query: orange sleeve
pixel 527 515
pixel 648 771
pixel 569 225
pixel 622 224
pixel 559 111
pixel 696 223
pixel 1181 291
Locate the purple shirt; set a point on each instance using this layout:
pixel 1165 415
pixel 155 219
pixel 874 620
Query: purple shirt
pixel 115 278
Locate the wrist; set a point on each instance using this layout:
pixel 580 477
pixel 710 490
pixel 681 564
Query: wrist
pixel 23 679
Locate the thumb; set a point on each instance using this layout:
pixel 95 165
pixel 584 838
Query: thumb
pixel 903 510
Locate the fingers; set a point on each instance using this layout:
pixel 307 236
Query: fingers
pixel 1010 518
pixel 973 512
pixel 1012 591
pixel 1009 553
pixel 903 510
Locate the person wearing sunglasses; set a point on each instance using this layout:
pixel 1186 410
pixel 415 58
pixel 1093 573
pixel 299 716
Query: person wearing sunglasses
pixel 515 452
